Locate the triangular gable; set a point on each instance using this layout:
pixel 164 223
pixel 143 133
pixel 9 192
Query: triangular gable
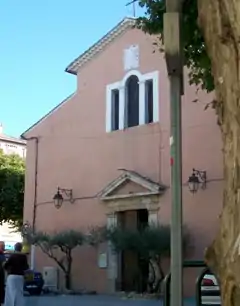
pixel 52 111
pixel 73 68
pixel 118 30
pixel 151 188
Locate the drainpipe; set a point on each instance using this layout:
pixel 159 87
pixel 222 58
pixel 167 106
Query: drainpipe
pixel 32 254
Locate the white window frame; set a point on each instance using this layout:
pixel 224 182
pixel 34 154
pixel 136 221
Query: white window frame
pixel 154 76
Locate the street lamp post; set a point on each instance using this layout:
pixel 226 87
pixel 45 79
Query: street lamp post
pixel 172 45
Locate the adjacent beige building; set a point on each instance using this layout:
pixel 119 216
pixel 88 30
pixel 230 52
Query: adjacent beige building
pixel 12 145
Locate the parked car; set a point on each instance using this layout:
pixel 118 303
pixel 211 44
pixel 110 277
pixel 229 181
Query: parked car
pixel 210 290
pixel 33 282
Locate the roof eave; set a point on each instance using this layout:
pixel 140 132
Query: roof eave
pixel 15 141
pixel 71 71
pixel 24 134
pixel 76 64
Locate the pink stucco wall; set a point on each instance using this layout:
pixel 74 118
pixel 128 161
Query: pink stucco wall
pixel 75 152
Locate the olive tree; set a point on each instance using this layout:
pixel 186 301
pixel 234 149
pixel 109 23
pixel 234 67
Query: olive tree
pixel 152 244
pixel 59 247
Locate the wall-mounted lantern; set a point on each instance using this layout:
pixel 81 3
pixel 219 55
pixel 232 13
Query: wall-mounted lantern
pixel 58 197
pixel 196 180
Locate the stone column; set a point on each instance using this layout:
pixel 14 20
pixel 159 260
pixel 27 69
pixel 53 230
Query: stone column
pixel 121 107
pixel 142 106
pixel 153 217
pixel 112 257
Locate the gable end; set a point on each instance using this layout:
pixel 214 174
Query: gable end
pixel 120 28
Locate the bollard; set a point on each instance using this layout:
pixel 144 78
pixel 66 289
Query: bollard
pixel 166 290
pixel 198 286
pixel 186 264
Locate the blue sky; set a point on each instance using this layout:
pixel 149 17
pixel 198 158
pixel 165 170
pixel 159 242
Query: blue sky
pixel 38 40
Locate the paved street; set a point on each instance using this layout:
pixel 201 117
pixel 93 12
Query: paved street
pixel 92 301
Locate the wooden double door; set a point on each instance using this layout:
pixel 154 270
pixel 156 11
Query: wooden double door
pixel 133 271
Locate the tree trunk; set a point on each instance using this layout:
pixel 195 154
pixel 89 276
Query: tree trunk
pixel 220 21
pixel 68 281
pixel 162 276
pixel 68 270
pixel 151 277
pixel 158 274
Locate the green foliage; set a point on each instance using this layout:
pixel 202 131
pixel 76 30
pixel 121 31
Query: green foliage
pixel 97 235
pixel 195 53
pixel 148 242
pixel 59 247
pixel 65 240
pixel 152 244
pixel 12 170
pixel 156 241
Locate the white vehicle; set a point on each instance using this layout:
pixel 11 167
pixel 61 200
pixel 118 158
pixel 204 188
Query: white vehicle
pixel 210 291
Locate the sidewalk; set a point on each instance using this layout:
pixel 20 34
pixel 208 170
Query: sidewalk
pixel 97 300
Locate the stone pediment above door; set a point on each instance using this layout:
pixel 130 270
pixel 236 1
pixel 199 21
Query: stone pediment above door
pixel 131 184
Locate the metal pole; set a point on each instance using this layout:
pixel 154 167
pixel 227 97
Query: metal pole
pixel 176 189
pixel 173 53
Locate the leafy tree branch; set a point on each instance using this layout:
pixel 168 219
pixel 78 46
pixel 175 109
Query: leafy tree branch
pixel 12 171
pixel 195 54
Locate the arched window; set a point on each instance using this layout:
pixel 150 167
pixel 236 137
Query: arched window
pixel 132 101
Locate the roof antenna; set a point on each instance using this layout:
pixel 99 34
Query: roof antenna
pixel 133 2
